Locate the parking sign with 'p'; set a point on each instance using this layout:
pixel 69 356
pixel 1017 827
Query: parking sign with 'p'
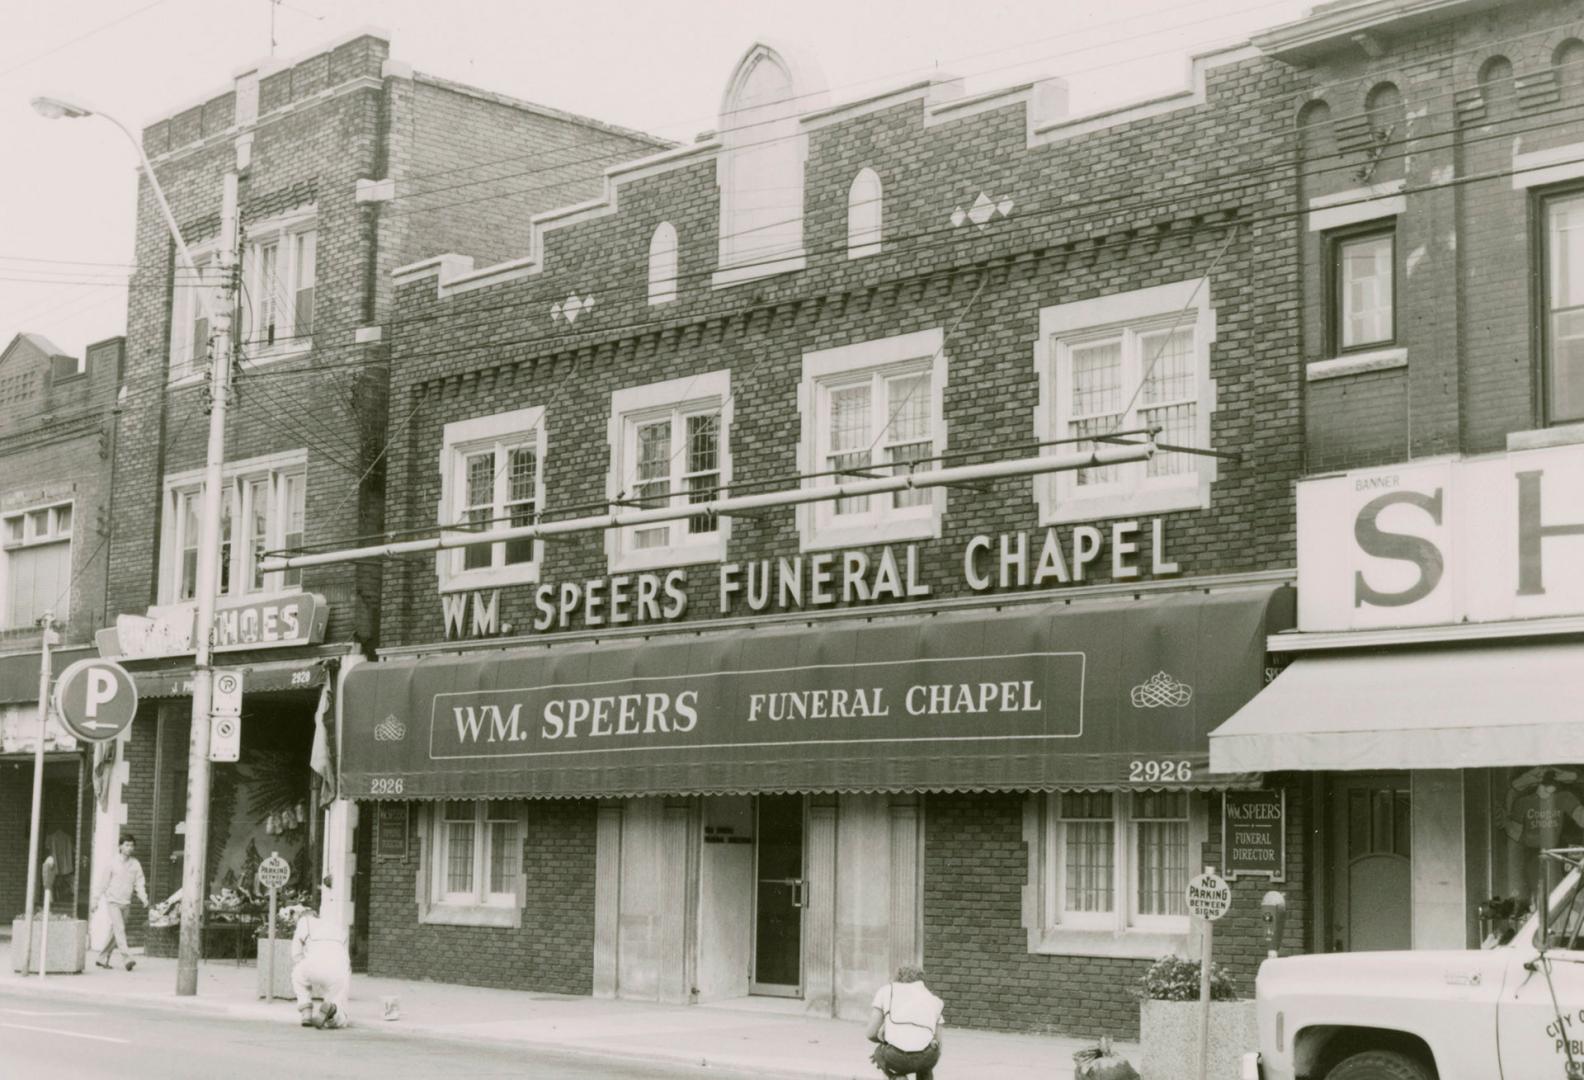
pixel 96 699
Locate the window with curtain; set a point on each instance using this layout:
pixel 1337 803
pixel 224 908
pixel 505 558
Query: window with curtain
pixel 35 560
pixel 1119 861
pixel 1363 308
pixel 261 510
pixel 492 478
pixel 1564 308
pixel 475 854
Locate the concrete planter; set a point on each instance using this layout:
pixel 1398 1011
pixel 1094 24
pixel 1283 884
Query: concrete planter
pixel 283 966
pixel 67 939
pixel 1169 1036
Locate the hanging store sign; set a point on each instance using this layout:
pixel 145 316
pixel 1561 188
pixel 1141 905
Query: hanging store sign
pixel 1122 551
pixel 1478 540
pixel 1108 693
pixel 268 622
pixel 1254 834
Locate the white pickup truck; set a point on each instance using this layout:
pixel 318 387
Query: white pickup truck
pixel 1511 1012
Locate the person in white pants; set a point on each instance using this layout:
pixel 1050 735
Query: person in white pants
pixel 321 965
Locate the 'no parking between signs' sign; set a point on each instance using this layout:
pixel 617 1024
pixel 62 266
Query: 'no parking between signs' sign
pixel 96 699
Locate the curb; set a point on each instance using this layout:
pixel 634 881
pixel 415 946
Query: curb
pixel 726 1066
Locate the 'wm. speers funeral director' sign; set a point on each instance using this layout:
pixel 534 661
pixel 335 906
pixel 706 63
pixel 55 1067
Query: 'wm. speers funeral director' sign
pixel 1420 544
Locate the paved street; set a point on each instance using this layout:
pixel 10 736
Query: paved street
pixel 100 1040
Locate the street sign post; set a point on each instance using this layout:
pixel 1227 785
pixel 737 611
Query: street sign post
pixel 1208 897
pixel 225 738
pixel 96 699
pixel 227 699
pixel 273 873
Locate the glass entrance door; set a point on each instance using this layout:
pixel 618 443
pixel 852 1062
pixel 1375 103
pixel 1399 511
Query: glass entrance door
pixel 778 896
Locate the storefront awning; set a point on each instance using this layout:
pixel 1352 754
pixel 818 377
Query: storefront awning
pixel 268 677
pixel 1444 708
pixel 1081 694
pixel 19 672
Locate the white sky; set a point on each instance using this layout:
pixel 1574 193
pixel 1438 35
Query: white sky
pixel 66 190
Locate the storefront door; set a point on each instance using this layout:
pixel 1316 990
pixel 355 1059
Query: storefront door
pixel 1371 827
pixel 778 896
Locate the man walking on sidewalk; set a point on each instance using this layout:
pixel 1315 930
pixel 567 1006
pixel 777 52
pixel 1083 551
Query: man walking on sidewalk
pixel 124 878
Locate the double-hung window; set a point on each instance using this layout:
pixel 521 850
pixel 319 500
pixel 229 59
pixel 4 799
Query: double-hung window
pixel 35 563
pixel 873 410
pixel 1115 864
pixel 195 296
pixel 1563 375
pixel 278 279
pixel 262 507
pixel 475 862
pixel 1362 294
pixel 669 450
pixel 492 478
pixel 1126 363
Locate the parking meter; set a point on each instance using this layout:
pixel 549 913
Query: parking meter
pixel 1273 913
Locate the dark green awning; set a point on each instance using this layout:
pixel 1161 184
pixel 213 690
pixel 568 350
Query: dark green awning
pixel 1082 694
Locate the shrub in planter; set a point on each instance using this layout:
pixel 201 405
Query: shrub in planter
pixel 1169 1022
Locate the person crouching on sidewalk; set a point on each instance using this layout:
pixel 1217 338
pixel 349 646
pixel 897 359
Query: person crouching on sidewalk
pixel 905 1023
pixel 321 965
pixel 124 878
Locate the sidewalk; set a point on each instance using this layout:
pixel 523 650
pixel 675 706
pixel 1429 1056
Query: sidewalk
pixel 761 1037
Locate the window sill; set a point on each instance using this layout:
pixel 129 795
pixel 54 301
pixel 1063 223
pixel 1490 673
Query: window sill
pixel 753 271
pixel 492 578
pixel 1126 504
pixel 271 353
pixel 472 915
pixel 885 531
pixel 1540 438
pixel 1356 364
pixel 1131 944
pixel 666 558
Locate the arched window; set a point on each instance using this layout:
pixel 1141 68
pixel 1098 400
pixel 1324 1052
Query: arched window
pixel 663 264
pixel 1388 120
pixel 1496 87
pixel 1569 62
pixel 863 215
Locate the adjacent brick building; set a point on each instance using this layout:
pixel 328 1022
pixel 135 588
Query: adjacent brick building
pixel 830 292
pixel 349 164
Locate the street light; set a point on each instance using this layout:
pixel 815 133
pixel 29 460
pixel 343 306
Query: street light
pixel 206 591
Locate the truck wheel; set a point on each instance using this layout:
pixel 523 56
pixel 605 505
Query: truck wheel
pixel 1380 1065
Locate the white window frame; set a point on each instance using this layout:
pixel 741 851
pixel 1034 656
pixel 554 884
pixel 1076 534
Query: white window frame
pixel 285 232
pixel 238 477
pixel 750 130
pixel 819 526
pixel 1121 931
pixel 501 432
pixel 186 359
pixel 636 405
pixel 865 214
pixel 30 538
pixel 1183 305
pixel 478 907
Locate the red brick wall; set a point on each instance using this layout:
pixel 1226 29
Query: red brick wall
pixel 552 952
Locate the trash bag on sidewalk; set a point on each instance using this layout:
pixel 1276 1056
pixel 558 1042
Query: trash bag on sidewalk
pixel 1099 1063
pixel 99 928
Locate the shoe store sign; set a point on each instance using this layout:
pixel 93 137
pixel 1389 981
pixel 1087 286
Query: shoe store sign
pixel 1441 542
pixel 262 623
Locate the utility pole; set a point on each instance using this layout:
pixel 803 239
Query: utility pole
pixel 194 848
pixel 46 640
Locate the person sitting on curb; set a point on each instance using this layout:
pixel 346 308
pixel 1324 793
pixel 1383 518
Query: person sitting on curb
pixel 124 878
pixel 905 1024
pixel 321 965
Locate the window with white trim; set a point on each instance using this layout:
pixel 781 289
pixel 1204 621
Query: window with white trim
pixel 1124 363
pixel 474 853
pixel 492 477
pixel 262 508
pixel 670 447
pixel 864 215
pixel 35 563
pixel 873 410
pixel 759 169
pixel 279 274
pixel 194 298
pixel 1115 863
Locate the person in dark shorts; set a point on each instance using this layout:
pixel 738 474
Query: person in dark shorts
pixel 905 1025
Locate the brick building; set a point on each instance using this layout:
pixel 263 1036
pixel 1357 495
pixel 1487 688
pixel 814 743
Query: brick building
pixel 349 164
pixel 780 751
pixel 1432 698
pixel 57 424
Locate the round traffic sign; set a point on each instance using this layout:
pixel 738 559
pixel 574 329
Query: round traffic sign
pixel 1209 896
pixel 96 699
pixel 274 872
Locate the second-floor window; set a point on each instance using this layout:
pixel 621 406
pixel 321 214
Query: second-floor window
pixel 1363 305
pixel 194 299
pixel 1564 303
pixel 35 561
pixel 262 509
pixel 279 275
pixel 492 478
